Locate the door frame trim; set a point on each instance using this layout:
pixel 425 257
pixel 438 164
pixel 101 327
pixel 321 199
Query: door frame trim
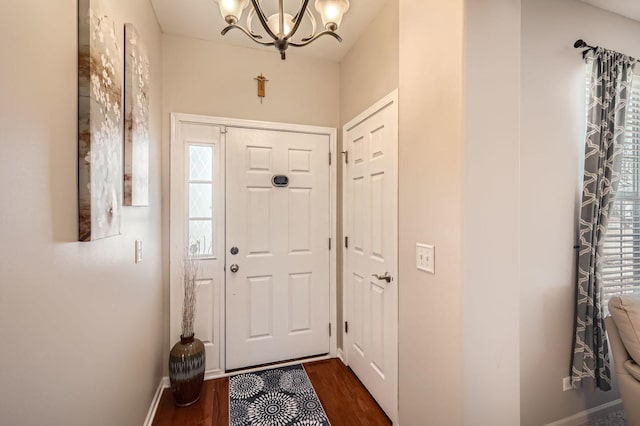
pixel 332 133
pixel 390 99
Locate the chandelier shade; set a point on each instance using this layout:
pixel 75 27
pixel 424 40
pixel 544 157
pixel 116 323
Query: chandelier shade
pixel 283 25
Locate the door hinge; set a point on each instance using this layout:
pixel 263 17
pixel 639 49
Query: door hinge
pixel 346 156
pixel 329 329
pixel 223 130
pixel 346 326
pixel 329 244
pixel 329 158
pixel 346 242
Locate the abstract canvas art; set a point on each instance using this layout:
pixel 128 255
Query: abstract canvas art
pixel 99 123
pixel 136 120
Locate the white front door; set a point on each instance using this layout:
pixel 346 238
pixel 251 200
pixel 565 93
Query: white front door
pixel 370 280
pixel 277 246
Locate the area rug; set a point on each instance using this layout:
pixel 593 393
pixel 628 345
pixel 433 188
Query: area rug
pixel 277 397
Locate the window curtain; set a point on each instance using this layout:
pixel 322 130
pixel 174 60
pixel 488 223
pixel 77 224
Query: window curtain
pixel 610 88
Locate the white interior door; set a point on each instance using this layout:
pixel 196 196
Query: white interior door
pixel 371 203
pixel 277 248
pixel 197 221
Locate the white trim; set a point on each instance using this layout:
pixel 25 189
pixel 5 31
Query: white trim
pixel 333 254
pixel 332 133
pixel 253 124
pixel 220 375
pixel 390 99
pixel 587 415
pixel 341 356
pixel 164 383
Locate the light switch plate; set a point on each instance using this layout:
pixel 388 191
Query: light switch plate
pixel 138 251
pixel 425 258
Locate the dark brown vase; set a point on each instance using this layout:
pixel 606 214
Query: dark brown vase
pixel 186 370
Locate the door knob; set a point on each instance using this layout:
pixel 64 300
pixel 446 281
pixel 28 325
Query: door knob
pixel 385 277
pixel 234 268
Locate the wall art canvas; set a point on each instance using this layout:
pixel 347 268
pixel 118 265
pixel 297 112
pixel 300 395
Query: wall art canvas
pixel 99 123
pixel 136 120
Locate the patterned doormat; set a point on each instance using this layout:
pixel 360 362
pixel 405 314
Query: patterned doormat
pixel 277 397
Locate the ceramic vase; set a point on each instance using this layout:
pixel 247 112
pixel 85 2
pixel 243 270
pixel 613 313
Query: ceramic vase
pixel 186 370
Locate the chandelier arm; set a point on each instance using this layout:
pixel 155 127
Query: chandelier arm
pixel 263 19
pixel 250 23
pixel 299 15
pixel 251 36
pixel 313 25
pixel 314 38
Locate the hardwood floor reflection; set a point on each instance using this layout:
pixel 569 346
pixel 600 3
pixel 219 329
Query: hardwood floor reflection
pixel 344 398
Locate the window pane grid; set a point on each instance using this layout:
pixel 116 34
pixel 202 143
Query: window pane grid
pixel 621 254
pixel 200 230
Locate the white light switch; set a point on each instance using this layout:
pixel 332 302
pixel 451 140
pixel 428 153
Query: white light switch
pixel 138 251
pixel 425 258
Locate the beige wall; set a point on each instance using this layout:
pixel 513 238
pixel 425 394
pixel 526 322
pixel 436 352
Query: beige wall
pixel 551 167
pixel 81 324
pixel 202 77
pixel 368 72
pixel 491 212
pixel 206 78
pixel 431 143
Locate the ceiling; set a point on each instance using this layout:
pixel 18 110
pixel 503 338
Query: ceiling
pixel 628 8
pixel 201 19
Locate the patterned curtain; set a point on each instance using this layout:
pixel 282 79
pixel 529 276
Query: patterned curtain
pixel 610 88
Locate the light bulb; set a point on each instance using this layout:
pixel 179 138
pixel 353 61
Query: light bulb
pixel 332 12
pixel 231 10
pixel 274 23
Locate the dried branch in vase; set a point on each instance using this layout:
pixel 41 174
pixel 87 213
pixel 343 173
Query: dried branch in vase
pixel 191 268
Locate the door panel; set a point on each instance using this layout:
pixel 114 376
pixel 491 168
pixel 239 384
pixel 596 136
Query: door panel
pixel 197 221
pixel 371 225
pixel 278 300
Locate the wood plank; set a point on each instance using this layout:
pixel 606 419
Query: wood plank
pixel 211 410
pixel 344 398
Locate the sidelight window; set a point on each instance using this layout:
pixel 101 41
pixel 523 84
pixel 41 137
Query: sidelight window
pixel 200 199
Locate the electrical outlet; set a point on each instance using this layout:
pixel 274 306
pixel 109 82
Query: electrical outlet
pixel 566 384
pixel 138 251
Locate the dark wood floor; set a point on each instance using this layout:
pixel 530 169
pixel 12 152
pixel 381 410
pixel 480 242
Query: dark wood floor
pixel 344 398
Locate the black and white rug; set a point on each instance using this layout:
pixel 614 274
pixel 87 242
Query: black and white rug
pixel 278 397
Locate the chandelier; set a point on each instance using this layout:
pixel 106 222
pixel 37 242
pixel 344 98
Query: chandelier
pixel 282 26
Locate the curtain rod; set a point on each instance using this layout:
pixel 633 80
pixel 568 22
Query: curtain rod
pixel 581 44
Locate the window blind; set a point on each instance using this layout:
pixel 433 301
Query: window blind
pixel 621 263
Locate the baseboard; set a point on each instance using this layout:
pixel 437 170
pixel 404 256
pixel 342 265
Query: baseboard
pixel 341 356
pixel 164 383
pixel 588 415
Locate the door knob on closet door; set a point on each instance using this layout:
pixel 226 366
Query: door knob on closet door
pixel 234 268
pixel 386 277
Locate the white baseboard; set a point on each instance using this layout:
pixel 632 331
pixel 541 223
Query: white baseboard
pixel 588 415
pixel 164 383
pixel 341 356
